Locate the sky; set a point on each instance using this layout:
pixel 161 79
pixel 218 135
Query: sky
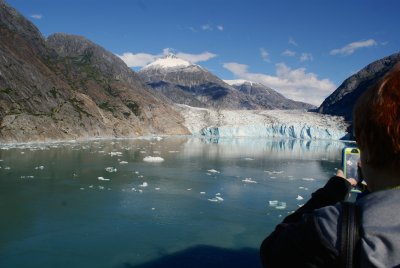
pixel 304 49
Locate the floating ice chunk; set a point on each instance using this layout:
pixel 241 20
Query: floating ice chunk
pixel 299 197
pixel 154 159
pixel 301 187
pixel 158 138
pixel 156 152
pixel 157 189
pixel 153 208
pixel 189 189
pixel 39 167
pixel 202 192
pixel 22 152
pixel 213 171
pixel 281 205
pixel 101 187
pixel 273 203
pixel 272 177
pixel 102 179
pixel 123 162
pixel 308 179
pixel 172 152
pixel 140 191
pixel 213 199
pixel 7 168
pixel 116 153
pixel 90 186
pixel 248 159
pixel 136 172
pixel 219 198
pixel 209 174
pixel 82 188
pixel 144 184
pixel 218 194
pixel 111 169
pixel 249 180
pixel 143 152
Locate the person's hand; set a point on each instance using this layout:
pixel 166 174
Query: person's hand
pixel 352 181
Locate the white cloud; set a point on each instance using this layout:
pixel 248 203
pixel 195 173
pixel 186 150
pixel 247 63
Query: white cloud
pixel 195 58
pixel 292 42
pixel 220 27
pixel 207 27
pixel 306 57
pixel 142 59
pixel 137 60
pixel 289 53
pixel 295 84
pixel 36 16
pixel 352 47
pixel 264 55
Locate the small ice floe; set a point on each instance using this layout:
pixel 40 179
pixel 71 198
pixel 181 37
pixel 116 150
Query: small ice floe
pixel 111 169
pixel 22 152
pixel 173 152
pixel 153 208
pixel 158 138
pixel 39 167
pixel 213 199
pixel 140 191
pixel 281 205
pixel 299 197
pixel 218 194
pixel 272 177
pixel 308 179
pixel 116 153
pixel 157 189
pixel 7 168
pixel 144 184
pixel 249 180
pixel 156 152
pixel 27 177
pixel 213 171
pixel 209 174
pixel 153 159
pixel 248 159
pixel 300 205
pixel 82 189
pixel 123 162
pixel 219 198
pixel 102 179
pixel 143 152
pixel 202 192
pixel 101 187
pixel 189 189
pixel 91 186
pixel 273 203
pixel 273 172
pixel 276 204
pixel 136 172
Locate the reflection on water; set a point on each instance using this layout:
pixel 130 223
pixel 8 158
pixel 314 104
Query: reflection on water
pixel 98 204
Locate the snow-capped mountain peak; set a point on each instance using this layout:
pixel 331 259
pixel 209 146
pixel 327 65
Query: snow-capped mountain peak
pixel 168 61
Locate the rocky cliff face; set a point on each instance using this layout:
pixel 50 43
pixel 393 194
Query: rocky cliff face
pixel 67 87
pixel 342 100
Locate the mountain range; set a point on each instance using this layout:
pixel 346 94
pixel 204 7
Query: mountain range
pixel 186 83
pixel 66 87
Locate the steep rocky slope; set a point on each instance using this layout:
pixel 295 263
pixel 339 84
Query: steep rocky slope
pixel 70 88
pixel 342 100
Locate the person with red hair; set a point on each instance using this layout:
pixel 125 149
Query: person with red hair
pixel 313 235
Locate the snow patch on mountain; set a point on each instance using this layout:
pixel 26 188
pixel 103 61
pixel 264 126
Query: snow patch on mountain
pixel 169 61
pixel 238 82
pixel 263 123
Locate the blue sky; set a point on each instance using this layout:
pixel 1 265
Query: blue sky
pixel 303 49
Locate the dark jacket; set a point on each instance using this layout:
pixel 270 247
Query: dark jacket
pixel 308 237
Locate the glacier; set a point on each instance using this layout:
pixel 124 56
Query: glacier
pixel 295 124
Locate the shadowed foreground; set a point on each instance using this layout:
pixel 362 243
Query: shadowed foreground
pixel 206 256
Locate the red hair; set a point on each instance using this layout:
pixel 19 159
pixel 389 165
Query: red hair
pixel 376 118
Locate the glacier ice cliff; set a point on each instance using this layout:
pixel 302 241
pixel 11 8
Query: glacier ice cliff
pixel 296 124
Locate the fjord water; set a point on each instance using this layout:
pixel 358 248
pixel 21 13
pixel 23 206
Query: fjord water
pixel 98 204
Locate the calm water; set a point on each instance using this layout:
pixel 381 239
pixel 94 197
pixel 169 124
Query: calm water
pixel 206 205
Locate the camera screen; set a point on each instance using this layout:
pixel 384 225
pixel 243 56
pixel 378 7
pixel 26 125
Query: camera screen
pixel 352 166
